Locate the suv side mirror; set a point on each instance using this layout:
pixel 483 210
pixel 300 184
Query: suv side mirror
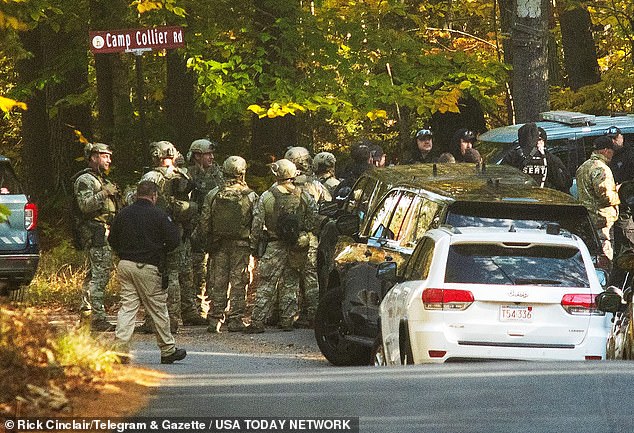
pixel 348 224
pixel 386 271
pixel 610 300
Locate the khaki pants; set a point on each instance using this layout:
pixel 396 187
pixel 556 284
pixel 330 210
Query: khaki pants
pixel 141 284
pixel 606 237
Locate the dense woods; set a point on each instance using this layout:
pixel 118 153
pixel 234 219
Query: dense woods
pixel 260 75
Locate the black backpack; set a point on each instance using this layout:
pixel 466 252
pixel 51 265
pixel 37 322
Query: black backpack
pixel 287 218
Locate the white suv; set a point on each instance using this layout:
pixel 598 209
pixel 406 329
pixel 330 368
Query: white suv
pixel 492 293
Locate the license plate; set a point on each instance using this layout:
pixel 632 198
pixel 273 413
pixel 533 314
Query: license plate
pixel 513 313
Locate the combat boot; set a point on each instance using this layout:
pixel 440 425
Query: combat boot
pixel 193 319
pixel 101 325
pixel 236 325
pixel 254 328
pixel 214 326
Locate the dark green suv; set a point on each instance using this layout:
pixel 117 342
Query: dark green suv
pixel 389 210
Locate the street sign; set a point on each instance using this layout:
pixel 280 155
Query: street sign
pixel 135 40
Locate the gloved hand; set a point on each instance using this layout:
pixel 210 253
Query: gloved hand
pixel 110 189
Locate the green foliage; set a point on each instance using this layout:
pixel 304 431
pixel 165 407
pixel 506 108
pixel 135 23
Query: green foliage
pixel 76 349
pixel 60 276
pixel 351 60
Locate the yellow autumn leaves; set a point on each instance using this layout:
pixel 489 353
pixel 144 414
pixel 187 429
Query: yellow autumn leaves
pixel 7 104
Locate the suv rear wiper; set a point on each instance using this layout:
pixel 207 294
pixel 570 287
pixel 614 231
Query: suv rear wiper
pixel 521 281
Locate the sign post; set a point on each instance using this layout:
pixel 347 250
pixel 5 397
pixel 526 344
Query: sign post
pixel 137 41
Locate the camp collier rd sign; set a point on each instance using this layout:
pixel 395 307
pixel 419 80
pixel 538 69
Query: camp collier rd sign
pixel 157 38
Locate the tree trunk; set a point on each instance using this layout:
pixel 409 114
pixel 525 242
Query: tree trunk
pixel 35 136
pixel 506 19
pixel 67 116
pixel 529 39
pixel 115 120
pixel 185 123
pixel 580 53
pixel 270 137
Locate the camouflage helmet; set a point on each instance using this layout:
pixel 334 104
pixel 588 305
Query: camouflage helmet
pixel 91 148
pixel 284 169
pixel 324 161
pixel 202 145
pixel 299 156
pixel 234 166
pixel 162 149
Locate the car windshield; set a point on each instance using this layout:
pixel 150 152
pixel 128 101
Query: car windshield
pixel 516 264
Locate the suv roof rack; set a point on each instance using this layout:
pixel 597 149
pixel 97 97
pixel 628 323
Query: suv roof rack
pixel 568 117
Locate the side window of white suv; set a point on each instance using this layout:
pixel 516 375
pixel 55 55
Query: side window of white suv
pixel 419 264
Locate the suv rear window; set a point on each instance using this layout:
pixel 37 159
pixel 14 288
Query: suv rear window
pixel 516 265
pixel 8 181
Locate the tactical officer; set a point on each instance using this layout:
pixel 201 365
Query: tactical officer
pixel 224 229
pixel 462 140
pixel 141 235
pixel 309 284
pixel 306 178
pixel 324 168
pixel 597 191
pixel 532 157
pixel 622 163
pixel 97 200
pixel 206 175
pixel 422 147
pixel 289 214
pixel 174 187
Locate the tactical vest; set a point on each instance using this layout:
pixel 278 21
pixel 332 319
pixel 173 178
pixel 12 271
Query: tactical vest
pixel 231 214
pixel 89 229
pixel 174 189
pixel 287 219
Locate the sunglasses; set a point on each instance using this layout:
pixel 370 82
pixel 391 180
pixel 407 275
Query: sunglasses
pixel 423 133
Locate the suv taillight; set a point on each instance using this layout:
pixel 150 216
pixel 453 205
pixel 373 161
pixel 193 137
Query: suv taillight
pixel 30 216
pixel 581 304
pixel 447 299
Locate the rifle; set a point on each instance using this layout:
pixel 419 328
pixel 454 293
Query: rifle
pixel 262 244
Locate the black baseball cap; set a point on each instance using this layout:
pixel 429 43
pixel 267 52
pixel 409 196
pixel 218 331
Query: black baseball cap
pixel 424 133
pixel 603 142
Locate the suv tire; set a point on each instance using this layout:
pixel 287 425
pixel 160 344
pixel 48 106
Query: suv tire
pixel 331 330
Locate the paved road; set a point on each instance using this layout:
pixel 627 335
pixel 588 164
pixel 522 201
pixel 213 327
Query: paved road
pixel 282 374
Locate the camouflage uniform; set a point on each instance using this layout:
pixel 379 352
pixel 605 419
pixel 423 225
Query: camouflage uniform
pixel 174 187
pixel 230 273
pixel 324 169
pixel 281 267
pixel 309 283
pixel 597 192
pixel 204 181
pixel 329 181
pixel 97 209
